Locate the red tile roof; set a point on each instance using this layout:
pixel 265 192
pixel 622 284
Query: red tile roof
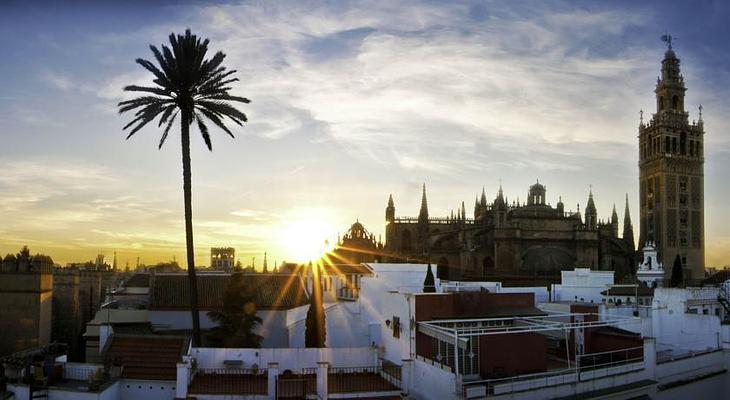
pixel 147 357
pixel 273 291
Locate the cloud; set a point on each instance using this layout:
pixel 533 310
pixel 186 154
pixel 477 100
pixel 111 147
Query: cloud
pixel 56 80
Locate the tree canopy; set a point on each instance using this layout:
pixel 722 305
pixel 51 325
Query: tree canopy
pixel 677 278
pixel 315 333
pixel 429 284
pixel 237 320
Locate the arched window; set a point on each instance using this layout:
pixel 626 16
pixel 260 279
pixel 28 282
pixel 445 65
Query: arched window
pixel 675 103
pixel 488 264
pixel 661 103
pixel 405 240
pixel 666 144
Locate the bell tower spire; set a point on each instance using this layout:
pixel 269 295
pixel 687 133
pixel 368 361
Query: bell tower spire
pixel 671 174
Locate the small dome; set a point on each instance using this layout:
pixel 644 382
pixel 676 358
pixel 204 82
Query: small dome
pixel 357 226
pixel 537 186
pixel 670 54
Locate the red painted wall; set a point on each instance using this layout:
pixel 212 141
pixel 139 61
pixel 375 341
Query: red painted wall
pixel 499 355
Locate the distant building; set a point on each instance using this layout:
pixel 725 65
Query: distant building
pixel 67 321
pixel 357 246
pixel 275 295
pixel 26 287
pixel 516 243
pixel 223 258
pixel 651 270
pixel 671 182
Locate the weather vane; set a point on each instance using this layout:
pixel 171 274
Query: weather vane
pixel 666 38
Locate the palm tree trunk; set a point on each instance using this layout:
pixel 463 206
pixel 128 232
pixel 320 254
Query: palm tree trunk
pixel 188 196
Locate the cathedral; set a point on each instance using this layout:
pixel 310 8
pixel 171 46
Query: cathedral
pixel 531 242
pixel 515 243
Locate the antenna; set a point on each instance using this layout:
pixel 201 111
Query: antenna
pixel 666 38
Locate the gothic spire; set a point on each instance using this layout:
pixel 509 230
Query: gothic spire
pixel 483 201
pixel 591 206
pixel 390 201
pixel 628 235
pixel 463 211
pixel 614 221
pixel 423 214
pixel 266 265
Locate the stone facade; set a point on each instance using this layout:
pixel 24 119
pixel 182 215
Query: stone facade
pixel 510 242
pixel 671 182
pixel 67 323
pixel 26 287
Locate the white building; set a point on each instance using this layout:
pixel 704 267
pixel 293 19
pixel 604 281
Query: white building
pixel 650 271
pixel 582 285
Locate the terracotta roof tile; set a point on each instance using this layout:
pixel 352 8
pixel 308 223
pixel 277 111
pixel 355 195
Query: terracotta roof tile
pixel 171 292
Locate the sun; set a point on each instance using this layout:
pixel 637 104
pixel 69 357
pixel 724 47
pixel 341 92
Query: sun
pixel 308 237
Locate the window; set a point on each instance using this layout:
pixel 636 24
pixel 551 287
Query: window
pixel 683 143
pixel 683 185
pixel 396 327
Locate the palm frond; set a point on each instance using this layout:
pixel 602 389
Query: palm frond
pixel 204 132
pixel 165 115
pixel 225 109
pixel 216 120
pixel 167 129
pixel 157 91
pixel 227 97
pixel 184 77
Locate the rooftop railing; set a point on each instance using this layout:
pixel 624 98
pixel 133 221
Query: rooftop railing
pixel 364 379
pixel 590 366
pixel 229 381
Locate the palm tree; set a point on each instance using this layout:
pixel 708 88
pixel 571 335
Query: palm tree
pixel 196 88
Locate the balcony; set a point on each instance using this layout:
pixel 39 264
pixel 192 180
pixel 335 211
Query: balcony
pixel 348 293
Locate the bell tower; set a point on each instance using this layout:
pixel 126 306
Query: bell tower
pixel 671 183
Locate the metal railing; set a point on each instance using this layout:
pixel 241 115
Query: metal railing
pixel 290 385
pixel 611 358
pixel 364 379
pixel 79 372
pixel 590 366
pixel 229 381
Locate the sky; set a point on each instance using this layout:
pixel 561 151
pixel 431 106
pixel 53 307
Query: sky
pixel 351 101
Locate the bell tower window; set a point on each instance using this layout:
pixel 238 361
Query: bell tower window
pixel 675 102
pixel 683 143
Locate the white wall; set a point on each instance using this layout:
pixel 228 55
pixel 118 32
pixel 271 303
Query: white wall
pixel 541 293
pixel 273 328
pixel 431 382
pixel 137 389
pixel 345 326
pixel 293 359
pixel 582 284
pixel 110 393
pixel 675 329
